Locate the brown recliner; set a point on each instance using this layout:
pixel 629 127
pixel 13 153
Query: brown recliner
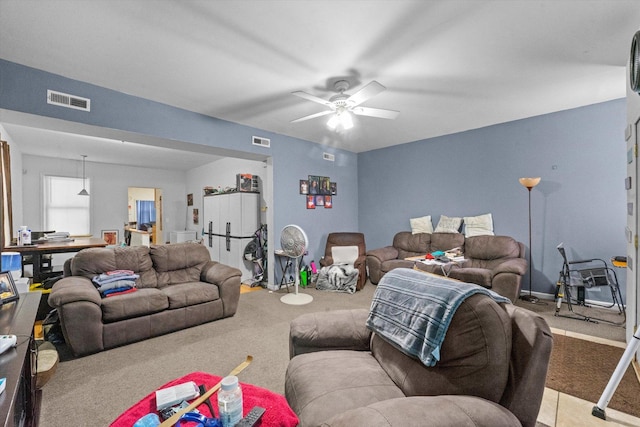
pixel 491 373
pixel 348 239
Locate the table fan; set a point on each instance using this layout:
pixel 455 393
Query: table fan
pixel 294 243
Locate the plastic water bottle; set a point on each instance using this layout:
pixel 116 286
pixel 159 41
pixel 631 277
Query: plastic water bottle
pixel 230 401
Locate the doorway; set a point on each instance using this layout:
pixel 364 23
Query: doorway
pixel 144 207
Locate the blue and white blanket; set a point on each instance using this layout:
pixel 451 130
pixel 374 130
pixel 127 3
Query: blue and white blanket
pixel 412 310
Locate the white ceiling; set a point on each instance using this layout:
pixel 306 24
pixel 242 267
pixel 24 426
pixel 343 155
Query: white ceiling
pixel 448 66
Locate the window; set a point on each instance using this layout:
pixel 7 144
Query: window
pixel 64 209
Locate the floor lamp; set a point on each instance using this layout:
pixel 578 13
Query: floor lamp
pixel 529 183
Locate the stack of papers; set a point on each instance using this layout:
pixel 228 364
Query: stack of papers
pixel 61 236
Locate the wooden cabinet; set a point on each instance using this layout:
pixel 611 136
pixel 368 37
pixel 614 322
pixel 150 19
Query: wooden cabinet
pixel 20 402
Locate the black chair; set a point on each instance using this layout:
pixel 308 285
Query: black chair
pixel 45 260
pixel 576 277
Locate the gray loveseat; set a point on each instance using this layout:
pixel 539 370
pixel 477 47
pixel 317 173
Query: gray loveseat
pixel 179 287
pixel 495 262
pixel 492 371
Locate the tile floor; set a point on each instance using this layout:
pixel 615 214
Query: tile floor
pixel 562 410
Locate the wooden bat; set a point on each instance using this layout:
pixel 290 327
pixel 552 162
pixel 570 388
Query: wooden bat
pixel 172 421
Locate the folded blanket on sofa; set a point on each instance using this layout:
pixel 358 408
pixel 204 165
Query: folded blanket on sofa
pixel 117 284
pixel 412 310
pixel 338 278
pixel 113 276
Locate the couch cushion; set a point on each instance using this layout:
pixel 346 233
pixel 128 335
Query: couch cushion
pixel 179 263
pixel 335 381
pixel 409 244
pixel 446 241
pixel 479 276
pixel 491 247
pixel 431 411
pixel 448 224
pixel 190 293
pixel 481 225
pixel 474 358
pixel 93 261
pixel 139 303
pixel 421 225
pixel 387 266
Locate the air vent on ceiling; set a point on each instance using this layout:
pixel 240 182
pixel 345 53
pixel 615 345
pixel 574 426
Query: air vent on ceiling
pixel 69 101
pixel 329 157
pixel 263 142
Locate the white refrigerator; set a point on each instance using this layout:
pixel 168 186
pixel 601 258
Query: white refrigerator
pixel 230 222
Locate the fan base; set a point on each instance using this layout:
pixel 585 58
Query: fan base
pixel 296 299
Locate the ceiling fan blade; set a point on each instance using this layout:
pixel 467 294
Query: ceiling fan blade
pixel 312 116
pixel 376 112
pixel 313 98
pixel 367 92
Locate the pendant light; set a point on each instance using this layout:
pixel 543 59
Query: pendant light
pixel 83 192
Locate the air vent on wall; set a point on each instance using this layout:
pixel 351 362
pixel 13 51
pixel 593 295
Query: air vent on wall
pixel 69 101
pixel 263 142
pixel 329 157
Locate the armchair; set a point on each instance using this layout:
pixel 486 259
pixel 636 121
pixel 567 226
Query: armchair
pixel 492 371
pixel 344 239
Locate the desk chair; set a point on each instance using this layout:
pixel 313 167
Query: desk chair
pixel 45 260
pixel 576 276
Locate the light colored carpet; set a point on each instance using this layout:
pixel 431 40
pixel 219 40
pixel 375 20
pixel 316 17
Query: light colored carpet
pixel 95 389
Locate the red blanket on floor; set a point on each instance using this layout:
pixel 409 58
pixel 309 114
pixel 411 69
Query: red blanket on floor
pixel 278 412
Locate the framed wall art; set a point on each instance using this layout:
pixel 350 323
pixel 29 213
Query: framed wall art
pixel 304 186
pixel 8 289
pixel 110 236
pixel 311 202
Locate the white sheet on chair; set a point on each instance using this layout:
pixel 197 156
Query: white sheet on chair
pixel 344 254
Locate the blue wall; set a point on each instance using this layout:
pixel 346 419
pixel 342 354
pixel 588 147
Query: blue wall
pixel 24 89
pixel 581 201
pixel 580 155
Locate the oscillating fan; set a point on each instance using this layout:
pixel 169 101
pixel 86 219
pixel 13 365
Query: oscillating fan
pixel 294 243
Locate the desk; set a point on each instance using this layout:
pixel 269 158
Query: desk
pixel 20 400
pixel 54 248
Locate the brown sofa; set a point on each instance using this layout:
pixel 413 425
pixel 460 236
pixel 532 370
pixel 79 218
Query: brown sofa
pixel 491 373
pixel 179 287
pixel 495 262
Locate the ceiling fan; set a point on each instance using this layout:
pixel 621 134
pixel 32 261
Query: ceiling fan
pixel 341 105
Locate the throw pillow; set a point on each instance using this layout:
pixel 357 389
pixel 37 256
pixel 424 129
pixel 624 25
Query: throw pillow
pixel 421 225
pixel 481 225
pixel 448 224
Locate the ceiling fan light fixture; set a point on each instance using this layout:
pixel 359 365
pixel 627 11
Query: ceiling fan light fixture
pixel 346 121
pixel 340 118
pixel 333 122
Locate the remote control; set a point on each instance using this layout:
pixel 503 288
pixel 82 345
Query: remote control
pixel 252 417
pixel 6 342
